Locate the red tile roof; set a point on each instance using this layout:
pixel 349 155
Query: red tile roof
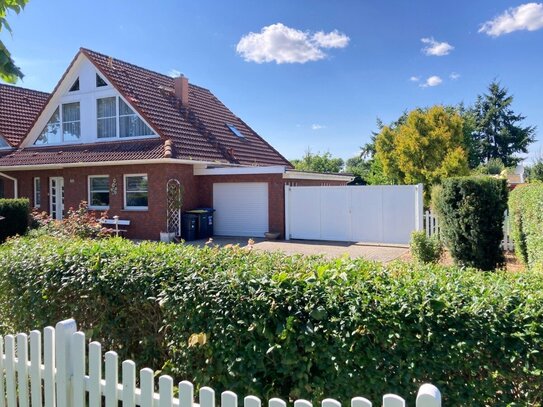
pixel 198 131
pixel 84 153
pixel 18 108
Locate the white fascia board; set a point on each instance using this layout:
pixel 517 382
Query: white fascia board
pixel 275 169
pixel 103 164
pixel 316 176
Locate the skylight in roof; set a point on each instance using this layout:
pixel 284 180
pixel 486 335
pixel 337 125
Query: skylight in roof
pixel 234 130
pixel 3 143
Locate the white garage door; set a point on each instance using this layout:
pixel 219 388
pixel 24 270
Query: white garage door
pixel 241 209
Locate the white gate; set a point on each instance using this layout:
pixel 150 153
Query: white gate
pixel 372 214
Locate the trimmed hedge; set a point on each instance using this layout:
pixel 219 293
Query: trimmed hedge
pixel 274 325
pixel 17 214
pixel 471 211
pixel 526 212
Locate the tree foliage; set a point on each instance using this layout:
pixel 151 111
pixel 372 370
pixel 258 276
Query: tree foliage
pixel 425 147
pixel 318 162
pixel 497 132
pixel 9 72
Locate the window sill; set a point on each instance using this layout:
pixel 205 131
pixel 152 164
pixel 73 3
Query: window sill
pixel 135 210
pixel 98 208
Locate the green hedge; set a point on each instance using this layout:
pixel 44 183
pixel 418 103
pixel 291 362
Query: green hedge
pixel 526 213
pixel 471 211
pixel 274 325
pixel 16 213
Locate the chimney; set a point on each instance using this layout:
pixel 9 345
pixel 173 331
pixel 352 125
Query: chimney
pixel 181 89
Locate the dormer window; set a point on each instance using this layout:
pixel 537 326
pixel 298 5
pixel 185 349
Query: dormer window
pixel 75 86
pixel 64 125
pixel 116 119
pixel 100 82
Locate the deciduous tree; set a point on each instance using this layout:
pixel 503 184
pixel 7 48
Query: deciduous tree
pixel 425 147
pixel 9 72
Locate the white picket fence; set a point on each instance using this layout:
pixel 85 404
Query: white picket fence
pixel 431 226
pixel 66 378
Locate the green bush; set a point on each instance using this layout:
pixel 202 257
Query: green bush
pixel 425 249
pixel 471 211
pixel 526 212
pixel 274 325
pixel 16 213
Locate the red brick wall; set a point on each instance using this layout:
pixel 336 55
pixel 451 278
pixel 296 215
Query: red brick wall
pixel 148 224
pixel 143 224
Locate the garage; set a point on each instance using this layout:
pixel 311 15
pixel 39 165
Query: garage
pixel 241 209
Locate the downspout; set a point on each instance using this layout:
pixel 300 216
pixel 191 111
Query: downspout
pixel 15 184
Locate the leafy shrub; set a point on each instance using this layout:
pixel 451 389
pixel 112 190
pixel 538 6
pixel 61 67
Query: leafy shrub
pixel 78 223
pixel 16 214
pixel 471 211
pixel 425 249
pixel 526 212
pixel 274 325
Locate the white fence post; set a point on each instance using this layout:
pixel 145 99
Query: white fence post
pixel 428 396
pixel 64 331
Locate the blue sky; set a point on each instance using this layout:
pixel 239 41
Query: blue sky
pixel 342 63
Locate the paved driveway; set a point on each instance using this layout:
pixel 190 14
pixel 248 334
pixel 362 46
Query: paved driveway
pixel 309 247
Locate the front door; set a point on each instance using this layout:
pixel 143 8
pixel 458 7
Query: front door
pixel 56 197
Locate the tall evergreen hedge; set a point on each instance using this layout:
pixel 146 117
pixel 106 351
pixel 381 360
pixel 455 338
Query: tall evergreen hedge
pixel 16 213
pixel 273 325
pixel 471 212
pixel 526 212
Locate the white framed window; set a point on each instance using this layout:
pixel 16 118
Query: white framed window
pixel 99 191
pixel 64 125
pixel 136 192
pixel 116 119
pixel 37 192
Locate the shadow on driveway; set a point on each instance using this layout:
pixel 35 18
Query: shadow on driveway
pixel 383 253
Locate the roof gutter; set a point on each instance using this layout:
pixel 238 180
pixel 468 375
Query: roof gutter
pixel 319 176
pixel 61 166
pixel 15 184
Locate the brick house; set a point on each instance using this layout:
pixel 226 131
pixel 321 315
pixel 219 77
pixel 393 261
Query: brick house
pixel 118 136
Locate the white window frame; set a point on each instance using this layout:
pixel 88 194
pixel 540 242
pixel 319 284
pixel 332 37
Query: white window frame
pixel 135 208
pixel 60 116
pixel 117 120
pixel 36 183
pixel 96 207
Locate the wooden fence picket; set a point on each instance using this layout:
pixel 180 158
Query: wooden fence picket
pixel 22 370
pixel 360 402
pixel 61 375
pixel 35 369
pixel 392 400
pixel 95 374
pixel 11 388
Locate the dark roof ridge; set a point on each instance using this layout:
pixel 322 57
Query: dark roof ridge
pixel 83 49
pixel 8 85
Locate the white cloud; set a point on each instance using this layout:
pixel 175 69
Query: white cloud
pixel 174 73
pixel 454 76
pixel 527 16
pixel 281 44
pixel 431 81
pixel 316 126
pixel 414 78
pixel 436 48
pixel 333 39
